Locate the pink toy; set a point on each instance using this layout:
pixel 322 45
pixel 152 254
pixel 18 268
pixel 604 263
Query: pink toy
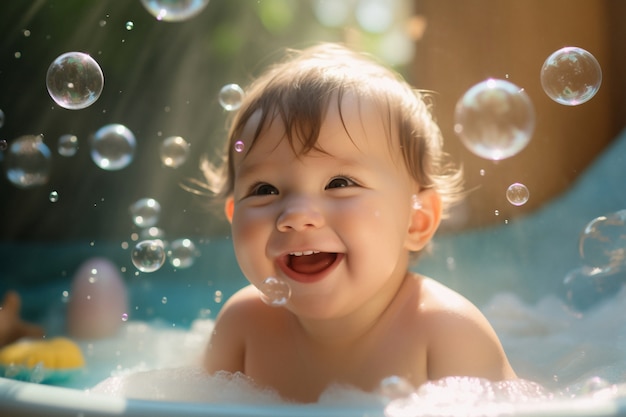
pixel 98 300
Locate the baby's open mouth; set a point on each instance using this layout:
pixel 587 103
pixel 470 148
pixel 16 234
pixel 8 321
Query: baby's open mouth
pixel 310 262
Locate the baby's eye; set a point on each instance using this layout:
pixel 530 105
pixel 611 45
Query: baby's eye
pixel 264 189
pixel 340 182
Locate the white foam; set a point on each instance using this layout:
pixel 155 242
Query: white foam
pixel 557 352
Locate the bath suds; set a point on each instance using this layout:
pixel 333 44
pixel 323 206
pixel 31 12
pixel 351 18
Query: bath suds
pixel 558 354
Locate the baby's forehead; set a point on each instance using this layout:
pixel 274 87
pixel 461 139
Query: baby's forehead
pixel 351 123
pixel 354 113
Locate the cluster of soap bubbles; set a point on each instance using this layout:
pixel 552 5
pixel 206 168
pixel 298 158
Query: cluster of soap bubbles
pixel 150 254
pixel 495 119
pixel 75 81
pixel 602 248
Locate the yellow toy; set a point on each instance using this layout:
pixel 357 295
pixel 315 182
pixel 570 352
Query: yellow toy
pixel 41 360
pixel 26 358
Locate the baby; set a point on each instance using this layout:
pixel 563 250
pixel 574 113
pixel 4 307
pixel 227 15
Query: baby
pixel 334 179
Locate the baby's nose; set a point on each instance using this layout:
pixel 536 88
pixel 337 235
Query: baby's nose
pixel 299 214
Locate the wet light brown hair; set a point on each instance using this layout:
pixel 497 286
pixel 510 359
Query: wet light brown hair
pixel 299 90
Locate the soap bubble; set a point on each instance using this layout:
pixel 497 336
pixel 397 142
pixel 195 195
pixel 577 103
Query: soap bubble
pixel 145 212
pixel 148 255
pixel 28 161
pixel 594 385
pixel 113 147
pixel 587 286
pixel 517 194
pixel 394 387
pixel 53 197
pixel 275 292
pixel 230 97
pixel 68 145
pixel 130 25
pixel 174 151
pixel 74 80
pixel 495 119
pixel 602 242
pixel 182 253
pixel 571 76
pixel 239 146
pixel 174 10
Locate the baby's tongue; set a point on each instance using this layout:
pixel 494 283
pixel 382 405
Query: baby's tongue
pixel 311 264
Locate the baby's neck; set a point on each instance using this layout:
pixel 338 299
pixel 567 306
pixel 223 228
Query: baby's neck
pixel 343 332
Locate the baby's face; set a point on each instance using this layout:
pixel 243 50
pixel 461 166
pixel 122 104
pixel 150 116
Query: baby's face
pixel 331 224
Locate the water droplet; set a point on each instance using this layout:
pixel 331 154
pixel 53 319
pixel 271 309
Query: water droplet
pixel 239 146
pixel 517 194
pixel 130 25
pixel 482 172
pixel 74 80
pixel 495 119
pixel 231 97
pixel 68 145
pixel 174 151
pixel 145 212
pixel 496 212
pixel 182 253
pixel 28 161
pixel 54 196
pixel 174 10
pixel 217 296
pixel 113 147
pixel 148 255
pixel 275 292
pixel 164 300
pixel 124 317
pixel 571 76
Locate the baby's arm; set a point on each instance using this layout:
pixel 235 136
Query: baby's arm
pixel 226 348
pixel 463 343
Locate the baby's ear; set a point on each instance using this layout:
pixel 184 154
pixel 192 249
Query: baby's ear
pixel 229 208
pixel 424 220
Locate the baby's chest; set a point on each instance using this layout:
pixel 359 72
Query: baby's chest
pixel 289 362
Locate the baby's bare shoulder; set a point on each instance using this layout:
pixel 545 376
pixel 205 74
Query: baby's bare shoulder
pixel 461 341
pixel 238 318
pixel 244 304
